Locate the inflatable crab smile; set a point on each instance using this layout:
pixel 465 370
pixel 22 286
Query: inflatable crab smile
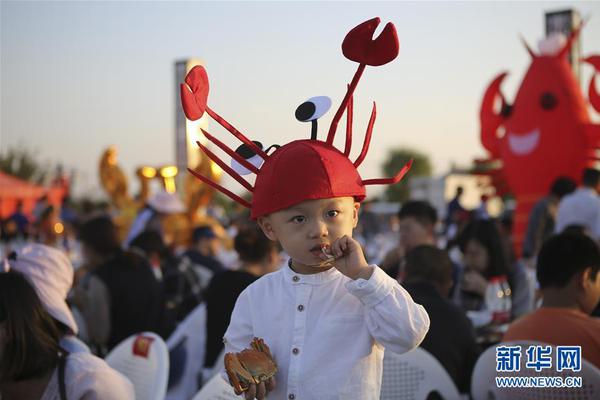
pixel 523 144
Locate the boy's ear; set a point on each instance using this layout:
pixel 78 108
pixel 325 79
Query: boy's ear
pixel 267 227
pixel 355 214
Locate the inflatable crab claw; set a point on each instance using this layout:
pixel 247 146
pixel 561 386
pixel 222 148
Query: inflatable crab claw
pixel 360 47
pixel 194 93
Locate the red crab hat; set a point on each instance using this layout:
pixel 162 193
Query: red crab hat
pixel 306 169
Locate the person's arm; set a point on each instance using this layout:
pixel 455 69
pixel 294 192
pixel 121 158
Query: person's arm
pixel 238 336
pixel 97 311
pixel 392 317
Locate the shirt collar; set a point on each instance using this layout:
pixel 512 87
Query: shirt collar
pixel 311 279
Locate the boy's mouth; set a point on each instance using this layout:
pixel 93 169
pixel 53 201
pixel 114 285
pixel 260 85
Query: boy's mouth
pixel 320 249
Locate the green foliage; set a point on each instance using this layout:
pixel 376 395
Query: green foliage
pixel 23 163
pixel 400 192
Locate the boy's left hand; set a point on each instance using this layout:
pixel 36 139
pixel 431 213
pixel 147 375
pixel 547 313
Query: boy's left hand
pixel 349 258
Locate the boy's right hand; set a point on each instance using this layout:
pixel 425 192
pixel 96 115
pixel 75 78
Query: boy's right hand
pixel 260 391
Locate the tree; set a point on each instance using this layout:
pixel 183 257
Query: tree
pixel 400 192
pixel 22 163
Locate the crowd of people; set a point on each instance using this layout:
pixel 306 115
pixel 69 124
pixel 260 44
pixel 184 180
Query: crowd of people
pixel 57 322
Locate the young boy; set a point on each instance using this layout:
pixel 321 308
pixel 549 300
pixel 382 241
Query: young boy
pixel 328 315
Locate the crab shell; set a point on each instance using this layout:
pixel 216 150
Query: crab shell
pixel 250 366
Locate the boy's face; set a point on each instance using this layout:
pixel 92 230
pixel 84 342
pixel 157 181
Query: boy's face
pixel 304 227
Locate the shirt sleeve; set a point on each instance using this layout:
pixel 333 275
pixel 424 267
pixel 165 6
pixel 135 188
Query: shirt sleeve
pixel 239 333
pixel 392 317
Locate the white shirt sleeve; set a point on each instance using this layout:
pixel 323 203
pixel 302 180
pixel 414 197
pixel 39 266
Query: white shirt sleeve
pixel 239 333
pixel 393 318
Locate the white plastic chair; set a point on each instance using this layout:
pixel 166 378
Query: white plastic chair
pixel 217 388
pixel 483 383
pixel 144 359
pixel 414 375
pixel 189 337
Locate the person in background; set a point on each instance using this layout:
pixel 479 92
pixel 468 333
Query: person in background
pixel 21 221
pixel 51 274
pixel 582 207
pixel 205 246
pixel 369 225
pixel 542 217
pixel 453 212
pixel 417 227
pixel 567 270
pixel 120 295
pixel 41 205
pixel 46 224
pixel 484 257
pixel 182 289
pixel 481 212
pixel 32 364
pixel 151 216
pixel 258 256
pixel 451 337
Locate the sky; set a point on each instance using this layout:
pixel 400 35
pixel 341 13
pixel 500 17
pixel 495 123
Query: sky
pixel 77 77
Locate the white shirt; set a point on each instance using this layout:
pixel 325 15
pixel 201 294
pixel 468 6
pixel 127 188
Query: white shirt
pixel 88 377
pixel 326 332
pixel 581 207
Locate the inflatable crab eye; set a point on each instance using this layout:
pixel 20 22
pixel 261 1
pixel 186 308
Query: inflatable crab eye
pixel 548 101
pixel 313 108
pixel 249 156
pixel 506 111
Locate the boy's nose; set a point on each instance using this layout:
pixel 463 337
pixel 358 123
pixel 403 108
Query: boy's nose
pixel 318 229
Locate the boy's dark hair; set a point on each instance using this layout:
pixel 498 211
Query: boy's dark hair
pixel 420 210
pixel 565 255
pixel 31 346
pixel 591 177
pixel 252 245
pixel 562 186
pixel 101 235
pixel 427 263
pixel 485 232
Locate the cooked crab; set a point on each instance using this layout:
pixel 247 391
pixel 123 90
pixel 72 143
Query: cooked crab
pixel 250 366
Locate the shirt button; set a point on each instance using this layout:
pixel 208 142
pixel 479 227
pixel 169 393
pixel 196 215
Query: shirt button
pixel 295 350
pixel 300 307
pixel 291 396
pixel 295 278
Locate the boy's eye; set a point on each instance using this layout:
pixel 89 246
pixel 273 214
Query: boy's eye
pixel 332 213
pixel 298 219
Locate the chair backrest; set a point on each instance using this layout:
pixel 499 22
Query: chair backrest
pixel 216 388
pixel 187 345
pixel 484 387
pixel 144 359
pixel 414 376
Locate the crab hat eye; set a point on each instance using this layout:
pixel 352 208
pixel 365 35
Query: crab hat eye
pixel 313 108
pixel 249 156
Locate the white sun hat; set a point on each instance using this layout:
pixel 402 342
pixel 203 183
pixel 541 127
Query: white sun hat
pixel 51 273
pixel 166 203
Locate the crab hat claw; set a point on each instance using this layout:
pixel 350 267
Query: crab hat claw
pixel 194 93
pixel 359 46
